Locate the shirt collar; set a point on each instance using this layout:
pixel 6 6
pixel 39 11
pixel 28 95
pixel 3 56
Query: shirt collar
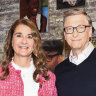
pixel 30 68
pixel 82 56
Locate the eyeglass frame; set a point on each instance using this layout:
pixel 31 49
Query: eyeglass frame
pixel 51 56
pixel 85 26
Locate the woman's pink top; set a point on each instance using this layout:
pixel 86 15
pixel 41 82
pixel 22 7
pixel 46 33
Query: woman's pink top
pixel 13 84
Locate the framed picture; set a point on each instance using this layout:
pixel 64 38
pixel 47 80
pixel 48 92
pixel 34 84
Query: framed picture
pixel 45 11
pixel 37 11
pixel 69 3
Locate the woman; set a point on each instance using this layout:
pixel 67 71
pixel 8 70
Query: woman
pixel 23 71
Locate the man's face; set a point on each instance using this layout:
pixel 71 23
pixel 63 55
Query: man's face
pixel 52 60
pixel 77 41
pixel 33 6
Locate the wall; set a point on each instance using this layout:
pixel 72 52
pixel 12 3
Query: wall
pixel 9 12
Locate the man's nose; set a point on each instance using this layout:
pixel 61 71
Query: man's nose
pixel 75 32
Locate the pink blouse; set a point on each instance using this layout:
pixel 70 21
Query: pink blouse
pixel 13 84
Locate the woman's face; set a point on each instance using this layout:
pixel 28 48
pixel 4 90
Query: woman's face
pixel 22 41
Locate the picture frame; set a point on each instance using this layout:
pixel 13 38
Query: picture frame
pixel 63 4
pixel 27 8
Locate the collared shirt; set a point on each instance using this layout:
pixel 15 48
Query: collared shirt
pixel 82 56
pixel 30 86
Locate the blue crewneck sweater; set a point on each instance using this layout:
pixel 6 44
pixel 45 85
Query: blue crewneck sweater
pixel 77 80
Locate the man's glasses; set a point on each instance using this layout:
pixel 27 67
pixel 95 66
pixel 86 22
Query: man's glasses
pixel 79 28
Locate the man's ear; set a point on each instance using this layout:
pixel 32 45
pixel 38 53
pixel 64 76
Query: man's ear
pixel 90 31
pixel 64 36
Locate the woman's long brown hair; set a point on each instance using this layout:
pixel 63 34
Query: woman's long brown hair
pixel 38 54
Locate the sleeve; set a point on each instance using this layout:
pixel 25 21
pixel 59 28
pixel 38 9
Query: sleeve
pixel 52 84
pixel 48 86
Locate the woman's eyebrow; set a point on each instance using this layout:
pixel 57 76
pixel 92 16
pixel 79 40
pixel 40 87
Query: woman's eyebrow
pixel 30 34
pixel 18 33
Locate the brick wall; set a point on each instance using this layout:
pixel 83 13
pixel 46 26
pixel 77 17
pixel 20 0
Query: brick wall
pixel 9 10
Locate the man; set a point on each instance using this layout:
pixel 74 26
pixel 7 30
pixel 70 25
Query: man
pixel 76 75
pixel 53 50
